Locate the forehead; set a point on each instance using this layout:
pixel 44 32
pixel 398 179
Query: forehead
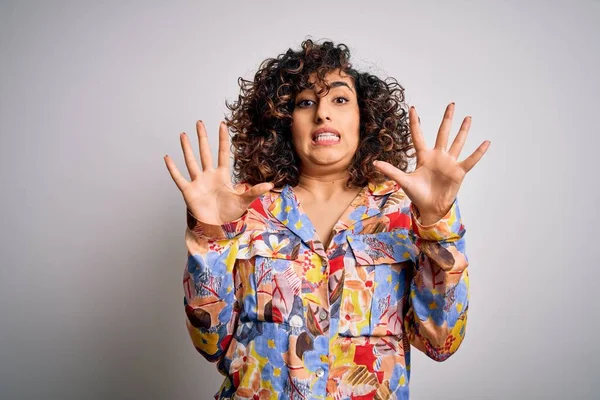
pixel 332 78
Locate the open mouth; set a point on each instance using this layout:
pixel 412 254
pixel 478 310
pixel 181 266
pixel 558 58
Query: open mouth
pixel 326 137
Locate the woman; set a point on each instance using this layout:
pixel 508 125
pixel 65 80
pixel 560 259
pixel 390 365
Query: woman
pixel 311 277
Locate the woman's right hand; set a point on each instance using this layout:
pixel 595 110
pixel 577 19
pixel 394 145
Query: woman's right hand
pixel 211 196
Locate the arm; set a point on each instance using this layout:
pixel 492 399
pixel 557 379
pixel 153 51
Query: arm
pixel 212 245
pixel 439 289
pixel 208 281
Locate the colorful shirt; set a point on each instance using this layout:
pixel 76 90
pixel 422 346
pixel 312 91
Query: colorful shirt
pixel 285 318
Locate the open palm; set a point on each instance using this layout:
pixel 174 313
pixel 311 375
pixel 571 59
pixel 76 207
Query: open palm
pixel 433 185
pixel 211 197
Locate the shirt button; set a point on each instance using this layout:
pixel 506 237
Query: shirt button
pixel 296 321
pixel 323 315
pixel 320 372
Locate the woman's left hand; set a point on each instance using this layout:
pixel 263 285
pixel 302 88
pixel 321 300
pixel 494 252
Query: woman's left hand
pixel 433 185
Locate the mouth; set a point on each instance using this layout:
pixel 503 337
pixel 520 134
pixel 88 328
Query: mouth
pixel 326 136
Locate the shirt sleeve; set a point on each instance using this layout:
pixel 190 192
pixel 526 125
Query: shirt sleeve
pixel 208 281
pixel 439 289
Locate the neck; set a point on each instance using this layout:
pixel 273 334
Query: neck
pixel 324 187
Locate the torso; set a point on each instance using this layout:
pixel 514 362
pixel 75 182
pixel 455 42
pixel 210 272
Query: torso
pixel 324 214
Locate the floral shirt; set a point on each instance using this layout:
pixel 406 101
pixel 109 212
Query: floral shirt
pixel 285 318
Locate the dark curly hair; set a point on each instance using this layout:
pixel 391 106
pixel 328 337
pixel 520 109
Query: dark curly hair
pixel 261 117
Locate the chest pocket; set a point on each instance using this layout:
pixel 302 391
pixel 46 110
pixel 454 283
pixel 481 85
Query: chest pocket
pixel 273 286
pixel 377 269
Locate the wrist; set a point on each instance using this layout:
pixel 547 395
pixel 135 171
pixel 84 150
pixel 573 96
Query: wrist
pixel 430 219
pixel 427 217
pixel 226 230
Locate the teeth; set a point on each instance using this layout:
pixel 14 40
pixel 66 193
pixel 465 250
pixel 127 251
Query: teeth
pixel 326 136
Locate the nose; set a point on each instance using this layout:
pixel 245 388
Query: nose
pixel 323 113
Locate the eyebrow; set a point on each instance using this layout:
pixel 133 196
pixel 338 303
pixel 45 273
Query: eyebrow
pixel 334 85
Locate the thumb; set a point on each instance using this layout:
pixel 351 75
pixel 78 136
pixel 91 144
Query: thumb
pixel 251 194
pixel 392 172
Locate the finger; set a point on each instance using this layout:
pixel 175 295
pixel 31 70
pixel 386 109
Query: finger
pixel 179 180
pixel 188 155
pixel 474 158
pixel 241 188
pixel 223 159
pixel 415 130
pixel 205 156
pixel 257 190
pixel 441 142
pixel 391 171
pixel 460 138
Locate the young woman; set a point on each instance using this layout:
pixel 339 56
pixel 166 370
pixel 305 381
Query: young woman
pixel 313 274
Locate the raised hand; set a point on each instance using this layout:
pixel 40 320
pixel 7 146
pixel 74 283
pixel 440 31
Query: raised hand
pixel 211 196
pixel 434 184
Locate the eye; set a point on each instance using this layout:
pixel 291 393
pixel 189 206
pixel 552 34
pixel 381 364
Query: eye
pixel 302 103
pixel 337 100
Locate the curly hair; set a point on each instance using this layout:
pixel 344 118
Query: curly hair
pixel 261 117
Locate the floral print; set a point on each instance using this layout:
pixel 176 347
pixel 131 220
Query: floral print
pixel 285 318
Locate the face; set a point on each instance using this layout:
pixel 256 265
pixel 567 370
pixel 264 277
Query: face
pixel 325 128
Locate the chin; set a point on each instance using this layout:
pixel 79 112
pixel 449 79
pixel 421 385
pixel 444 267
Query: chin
pixel 332 164
pixel 328 161
pixel 338 159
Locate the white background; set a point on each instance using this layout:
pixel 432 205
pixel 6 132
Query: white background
pixel 94 94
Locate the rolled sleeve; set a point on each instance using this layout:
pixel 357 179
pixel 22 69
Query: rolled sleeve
pixel 228 230
pixel 448 229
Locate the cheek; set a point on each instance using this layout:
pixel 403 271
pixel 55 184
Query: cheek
pixel 355 129
pixel 356 142
pixel 294 131
pixel 299 127
pixel 296 138
pixel 298 143
pixel 354 123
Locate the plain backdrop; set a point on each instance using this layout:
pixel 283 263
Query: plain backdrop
pixel 94 94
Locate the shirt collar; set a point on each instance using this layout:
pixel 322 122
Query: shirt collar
pixel 284 207
pixel 376 189
pixel 386 187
